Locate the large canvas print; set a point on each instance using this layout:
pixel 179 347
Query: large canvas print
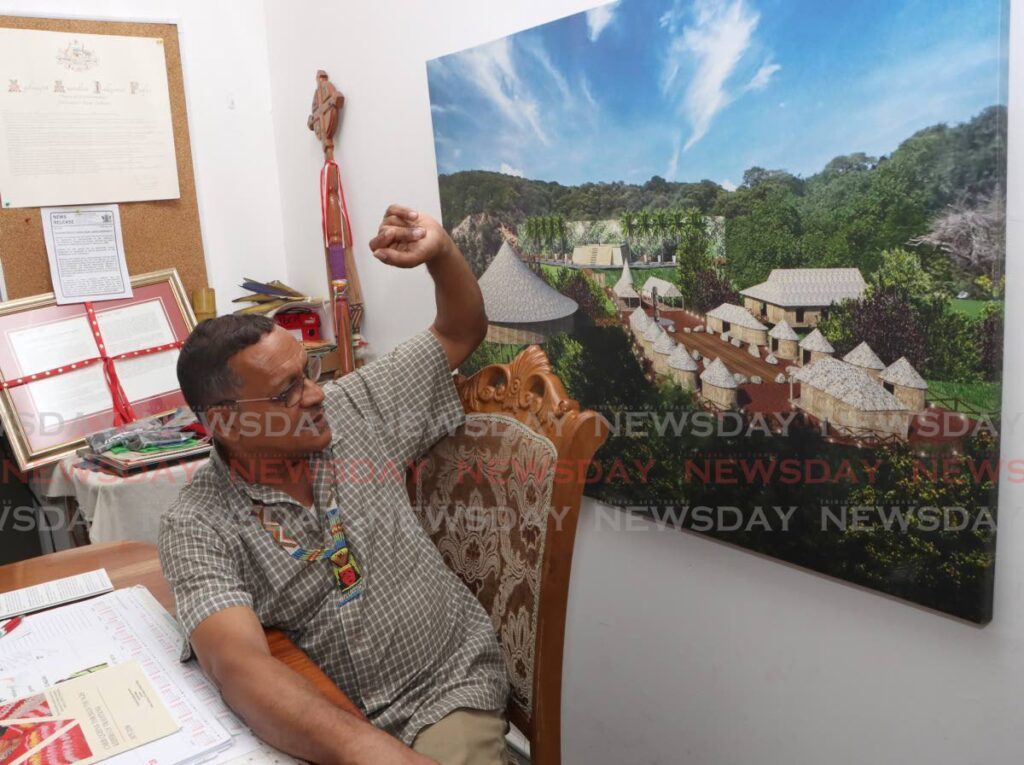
pixel 764 238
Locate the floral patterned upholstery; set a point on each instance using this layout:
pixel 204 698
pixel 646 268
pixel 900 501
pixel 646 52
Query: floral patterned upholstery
pixel 483 495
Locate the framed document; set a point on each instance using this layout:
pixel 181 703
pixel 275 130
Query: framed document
pixel 69 370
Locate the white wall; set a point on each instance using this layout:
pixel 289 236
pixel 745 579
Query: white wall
pixel 224 60
pixel 694 652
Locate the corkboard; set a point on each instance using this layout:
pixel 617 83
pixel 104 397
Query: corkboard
pixel 157 235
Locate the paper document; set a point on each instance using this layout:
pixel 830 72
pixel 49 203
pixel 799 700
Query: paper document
pixel 85 719
pixel 137 327
pixel 55 593
pixel 126 625
pixel 86 253
pixel 84 119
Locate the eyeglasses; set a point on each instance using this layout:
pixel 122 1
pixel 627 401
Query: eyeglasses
pixel 291 396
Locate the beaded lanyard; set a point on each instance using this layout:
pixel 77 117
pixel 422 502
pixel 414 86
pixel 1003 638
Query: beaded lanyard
pixel 346 571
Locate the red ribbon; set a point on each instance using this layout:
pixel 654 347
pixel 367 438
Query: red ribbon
pixel 123 411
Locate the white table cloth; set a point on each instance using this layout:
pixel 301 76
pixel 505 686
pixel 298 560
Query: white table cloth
pixel 115 507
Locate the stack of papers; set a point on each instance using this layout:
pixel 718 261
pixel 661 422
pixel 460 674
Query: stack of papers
pixel 55 593
pixel 130 625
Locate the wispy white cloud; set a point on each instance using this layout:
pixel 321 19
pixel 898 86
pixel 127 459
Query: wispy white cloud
pixel 764 75
pixel 714 36
pixel 507 169
pixel 673 163
pixel 536 49
pixel 592 103
pixel 728 185
pixel 598 19
pixel 490 68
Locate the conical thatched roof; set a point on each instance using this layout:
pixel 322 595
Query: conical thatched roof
pixel 901 372
pixel 653 332
pixel 624 286
pixel 681 360
pixel 513 294
pixel 817 342
pixel 639 319
pixel 664 344
pixel 862 356
pixel 782 331
pixel 718 374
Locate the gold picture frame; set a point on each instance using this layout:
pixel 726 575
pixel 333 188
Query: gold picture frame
pixel 32 444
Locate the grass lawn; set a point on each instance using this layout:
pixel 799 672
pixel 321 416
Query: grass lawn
pixel 978 396
pixel 971 308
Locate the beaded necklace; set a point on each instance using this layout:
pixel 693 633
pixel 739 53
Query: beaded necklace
pixel 347 573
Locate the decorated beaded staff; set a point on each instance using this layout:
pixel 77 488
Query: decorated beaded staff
pixel 346 295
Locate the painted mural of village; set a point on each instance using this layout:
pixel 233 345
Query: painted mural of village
pixel 840 322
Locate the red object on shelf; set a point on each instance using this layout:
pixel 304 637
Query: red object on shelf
pixel 306 323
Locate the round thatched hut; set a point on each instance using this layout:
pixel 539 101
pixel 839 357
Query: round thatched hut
pixel 903 381
pixel 783 341
pixel 521 307
pixel 650 337
pixel 863 357
pixel 814 347
pixel 663 348
pixel 624 289
pixel 682 368
pixel 718 386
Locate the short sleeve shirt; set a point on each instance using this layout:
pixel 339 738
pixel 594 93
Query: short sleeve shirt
pixel 410 643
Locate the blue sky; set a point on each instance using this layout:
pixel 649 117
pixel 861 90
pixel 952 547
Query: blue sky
pixel 693 89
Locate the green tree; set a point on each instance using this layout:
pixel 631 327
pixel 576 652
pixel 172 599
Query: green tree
pixel 627 224
pixel 693 255
pixel 767 238
pixel 933 560
pixel 901 269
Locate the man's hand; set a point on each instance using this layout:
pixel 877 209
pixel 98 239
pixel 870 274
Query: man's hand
pixel 407 238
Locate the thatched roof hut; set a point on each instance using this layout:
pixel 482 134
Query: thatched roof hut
pixel 862 356
pixel 850 399
pixel 814 347
pixel 905 383
pixel 717 385
pixel 784 342
pixel 521 307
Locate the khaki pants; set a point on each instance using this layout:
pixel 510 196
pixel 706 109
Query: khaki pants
pixel 465 737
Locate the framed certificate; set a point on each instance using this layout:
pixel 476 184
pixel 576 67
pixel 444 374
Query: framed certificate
pixel 69 370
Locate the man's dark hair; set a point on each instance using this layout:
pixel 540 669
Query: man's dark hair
pixel 203 372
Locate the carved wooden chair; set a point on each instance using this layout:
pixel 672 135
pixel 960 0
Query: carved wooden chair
pixel 500 498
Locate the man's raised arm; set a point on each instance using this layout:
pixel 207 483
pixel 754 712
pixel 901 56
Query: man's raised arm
pixel 407 238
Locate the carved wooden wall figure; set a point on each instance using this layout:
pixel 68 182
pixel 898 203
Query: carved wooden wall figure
pixel 346 294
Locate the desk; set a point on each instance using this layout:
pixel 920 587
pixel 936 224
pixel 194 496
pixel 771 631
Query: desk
pixel 115 507
pixel 132 563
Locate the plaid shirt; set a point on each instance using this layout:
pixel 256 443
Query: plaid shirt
pixel 415 644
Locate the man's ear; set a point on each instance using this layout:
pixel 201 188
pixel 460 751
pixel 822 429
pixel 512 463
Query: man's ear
pixel 223 424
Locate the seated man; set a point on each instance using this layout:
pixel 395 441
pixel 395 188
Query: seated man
pixel 301 521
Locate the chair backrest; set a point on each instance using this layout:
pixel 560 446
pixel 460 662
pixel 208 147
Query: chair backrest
pixel 500 498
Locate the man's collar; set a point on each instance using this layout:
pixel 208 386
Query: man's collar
pixel 247 482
